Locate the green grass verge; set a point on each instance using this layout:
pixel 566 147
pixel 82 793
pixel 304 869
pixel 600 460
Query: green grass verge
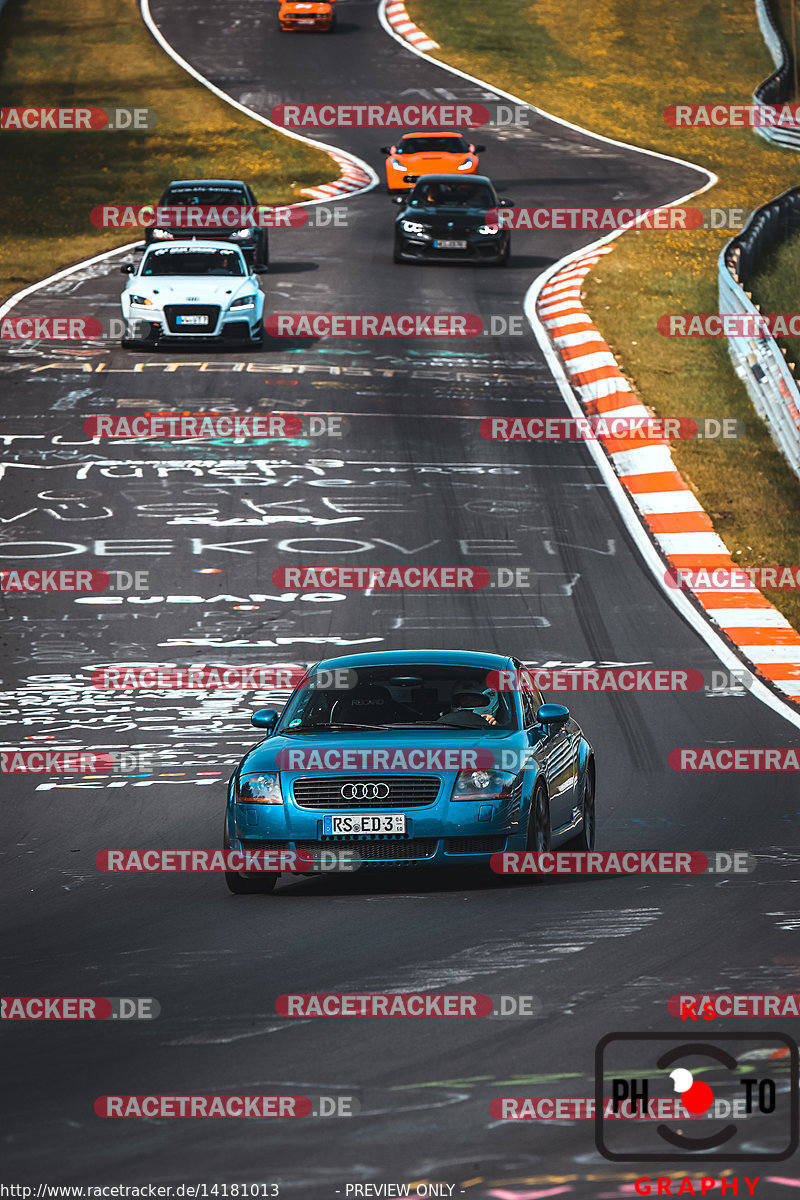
pixel 99 53
pixel 612 67
pixel 774 289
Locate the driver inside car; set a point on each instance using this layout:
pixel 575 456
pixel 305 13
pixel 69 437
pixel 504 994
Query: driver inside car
pixel 468 707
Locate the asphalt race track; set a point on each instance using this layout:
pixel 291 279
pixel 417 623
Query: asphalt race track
pixel 408 481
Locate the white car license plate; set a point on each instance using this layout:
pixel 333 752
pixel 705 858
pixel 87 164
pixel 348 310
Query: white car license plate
pixel 450 245
pixel 305 21
pixel 191 320
pixel 363 823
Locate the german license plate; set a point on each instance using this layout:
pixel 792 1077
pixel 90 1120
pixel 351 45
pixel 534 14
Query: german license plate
pixel 450 244
pixel 191 320
pixel 338 823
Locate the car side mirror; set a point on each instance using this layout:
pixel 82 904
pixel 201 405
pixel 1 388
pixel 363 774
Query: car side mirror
pixel 387 150
pixel 260 269
pixel 265 718
pixel 478 149
pixel 552 716
pixel 127 269
pixel 505 202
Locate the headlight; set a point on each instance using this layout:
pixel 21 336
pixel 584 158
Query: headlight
pixel 467 163
pixel 243 234
pixel 144 301
pixel 261 789
pixel 487 229
pixel 160 234
pixel 398 166
pixel 483 785
pixel 412 227
pixel 244 302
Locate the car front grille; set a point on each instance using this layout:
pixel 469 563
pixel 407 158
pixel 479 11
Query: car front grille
pixel 475 845
pixel 405 791
pixel 173 311
pixel 387 848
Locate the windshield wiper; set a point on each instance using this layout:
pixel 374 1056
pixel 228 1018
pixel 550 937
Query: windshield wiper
pixel 328 725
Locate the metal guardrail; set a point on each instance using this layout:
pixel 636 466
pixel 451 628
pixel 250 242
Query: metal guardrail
pixel 777 89
pixel 758 360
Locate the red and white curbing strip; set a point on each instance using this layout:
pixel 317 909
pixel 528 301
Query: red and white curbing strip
pixel 352 179
pixel 678 524
pixel 400 21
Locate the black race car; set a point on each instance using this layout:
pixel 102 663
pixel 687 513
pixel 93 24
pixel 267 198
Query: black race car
pixel 445 219
pixel 212 193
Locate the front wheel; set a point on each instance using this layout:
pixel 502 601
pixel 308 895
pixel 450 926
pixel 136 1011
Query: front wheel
pixel 539 823
pixel 585 839
pixel 249 883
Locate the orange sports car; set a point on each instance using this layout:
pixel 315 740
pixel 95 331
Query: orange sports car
pixel 307 14
pixel 428 152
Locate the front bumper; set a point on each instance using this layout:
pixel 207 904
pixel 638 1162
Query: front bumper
pixel 479 248
pixel 163 324
pixel 444 833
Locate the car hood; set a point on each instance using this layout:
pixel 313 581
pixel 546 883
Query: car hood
pixel 272 754
pixel 191 289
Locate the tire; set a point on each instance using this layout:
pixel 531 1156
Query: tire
pixel 504 257
pixel 586 838
pixel 248 884
pixel 539 822
pixel 396 257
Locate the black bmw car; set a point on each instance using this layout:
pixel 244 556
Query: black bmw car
pixel 445 220
pixel 212 193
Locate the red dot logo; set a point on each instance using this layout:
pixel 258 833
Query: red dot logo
pixel 696 1096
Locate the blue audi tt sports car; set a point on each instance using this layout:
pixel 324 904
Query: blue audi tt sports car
pixel 412 757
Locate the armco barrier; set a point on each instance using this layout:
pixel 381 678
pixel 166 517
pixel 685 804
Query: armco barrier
pixel 758 360
pixel 778 88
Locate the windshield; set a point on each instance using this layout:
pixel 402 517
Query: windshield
pixel 433 145
pixel 433 695
pixel 459 194
pixel 218 196
pixel 174 260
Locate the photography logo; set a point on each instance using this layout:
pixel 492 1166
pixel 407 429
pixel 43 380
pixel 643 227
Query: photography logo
pixel 739 1092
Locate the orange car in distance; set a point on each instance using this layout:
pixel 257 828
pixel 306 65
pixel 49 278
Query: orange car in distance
pixel 307 15
pixel 428 152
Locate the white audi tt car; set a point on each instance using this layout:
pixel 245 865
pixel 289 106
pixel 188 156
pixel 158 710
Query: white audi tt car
pixel 193 290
